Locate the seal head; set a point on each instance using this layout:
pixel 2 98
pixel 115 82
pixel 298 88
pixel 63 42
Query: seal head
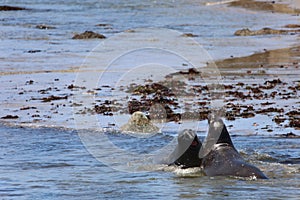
pixel 139 123
pixel 187 151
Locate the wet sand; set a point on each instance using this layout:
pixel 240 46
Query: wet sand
pixel 272 79
pixel 279 59
pixel 272 6
pixel 261 91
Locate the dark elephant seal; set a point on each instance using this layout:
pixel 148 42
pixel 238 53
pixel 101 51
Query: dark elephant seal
pixel 223 159
pixel 186 152
pixel 217 156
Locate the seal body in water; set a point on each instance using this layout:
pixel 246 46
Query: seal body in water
pixel 223 159
pixel 217 156
pixel 139 123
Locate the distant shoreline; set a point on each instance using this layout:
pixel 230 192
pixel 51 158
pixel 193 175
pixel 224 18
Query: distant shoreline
pixel 268 5
pixel 43 96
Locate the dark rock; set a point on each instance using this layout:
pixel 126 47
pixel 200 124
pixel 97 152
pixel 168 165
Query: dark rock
pixel 203 114
pixel 293 113
pixel 27 108
pixel 34 51
pixel 72 87
pixel 247 114
pixel 43 26
pixel 289 135
pixel 238 94
pixel 274 81
pixel 102 109
pixel 191 71
pixel 135 105
pixel 105 26
pixel 268 110
pixel 30 82
pixel 53 98
pixel 295 123
pixel 88 35
pixel 256 90
pixel 228 87
pixel 267 103
pixel 189 35
pixel 10 117
pixel 240 84
pixel 244 32
pixel 45 91
pixel 11 8
pixel 230 116
pixel 264 31
pixel 154 88
pixel 279 119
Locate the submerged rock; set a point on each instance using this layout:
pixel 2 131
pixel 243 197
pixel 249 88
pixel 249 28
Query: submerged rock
pixel 189 35
pixel 295 123
pixel 289 135
pixel 292 26
pixel 88 35
pixel 10 117
pixel 43 26
pixel 264 31
pixel 11 8
pixel 103 109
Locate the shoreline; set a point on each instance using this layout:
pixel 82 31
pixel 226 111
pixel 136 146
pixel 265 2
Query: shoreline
pixel 29 100
pixel 254 71
pixel 268 5
pixel 270 57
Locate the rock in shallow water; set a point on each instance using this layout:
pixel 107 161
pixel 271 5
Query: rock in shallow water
pixel 264 31
pixel 11 8
pixel 88 35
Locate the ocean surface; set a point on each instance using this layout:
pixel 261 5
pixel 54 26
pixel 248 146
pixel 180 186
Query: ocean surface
pixel 49 163
pixel 43 152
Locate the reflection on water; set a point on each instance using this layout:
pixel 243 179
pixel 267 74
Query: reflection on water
pixel 46 163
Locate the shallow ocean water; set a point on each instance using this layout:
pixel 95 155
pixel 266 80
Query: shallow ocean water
pixel 214 25
pixel 52 163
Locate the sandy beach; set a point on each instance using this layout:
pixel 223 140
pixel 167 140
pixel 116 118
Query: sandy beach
pixel 28 100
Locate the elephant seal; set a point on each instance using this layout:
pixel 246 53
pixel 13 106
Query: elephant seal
pixel 139 123
pixel 186 152
pixel 220 157
pixel 223 159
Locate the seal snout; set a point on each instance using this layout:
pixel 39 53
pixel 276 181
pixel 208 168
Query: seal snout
pixel 215 120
